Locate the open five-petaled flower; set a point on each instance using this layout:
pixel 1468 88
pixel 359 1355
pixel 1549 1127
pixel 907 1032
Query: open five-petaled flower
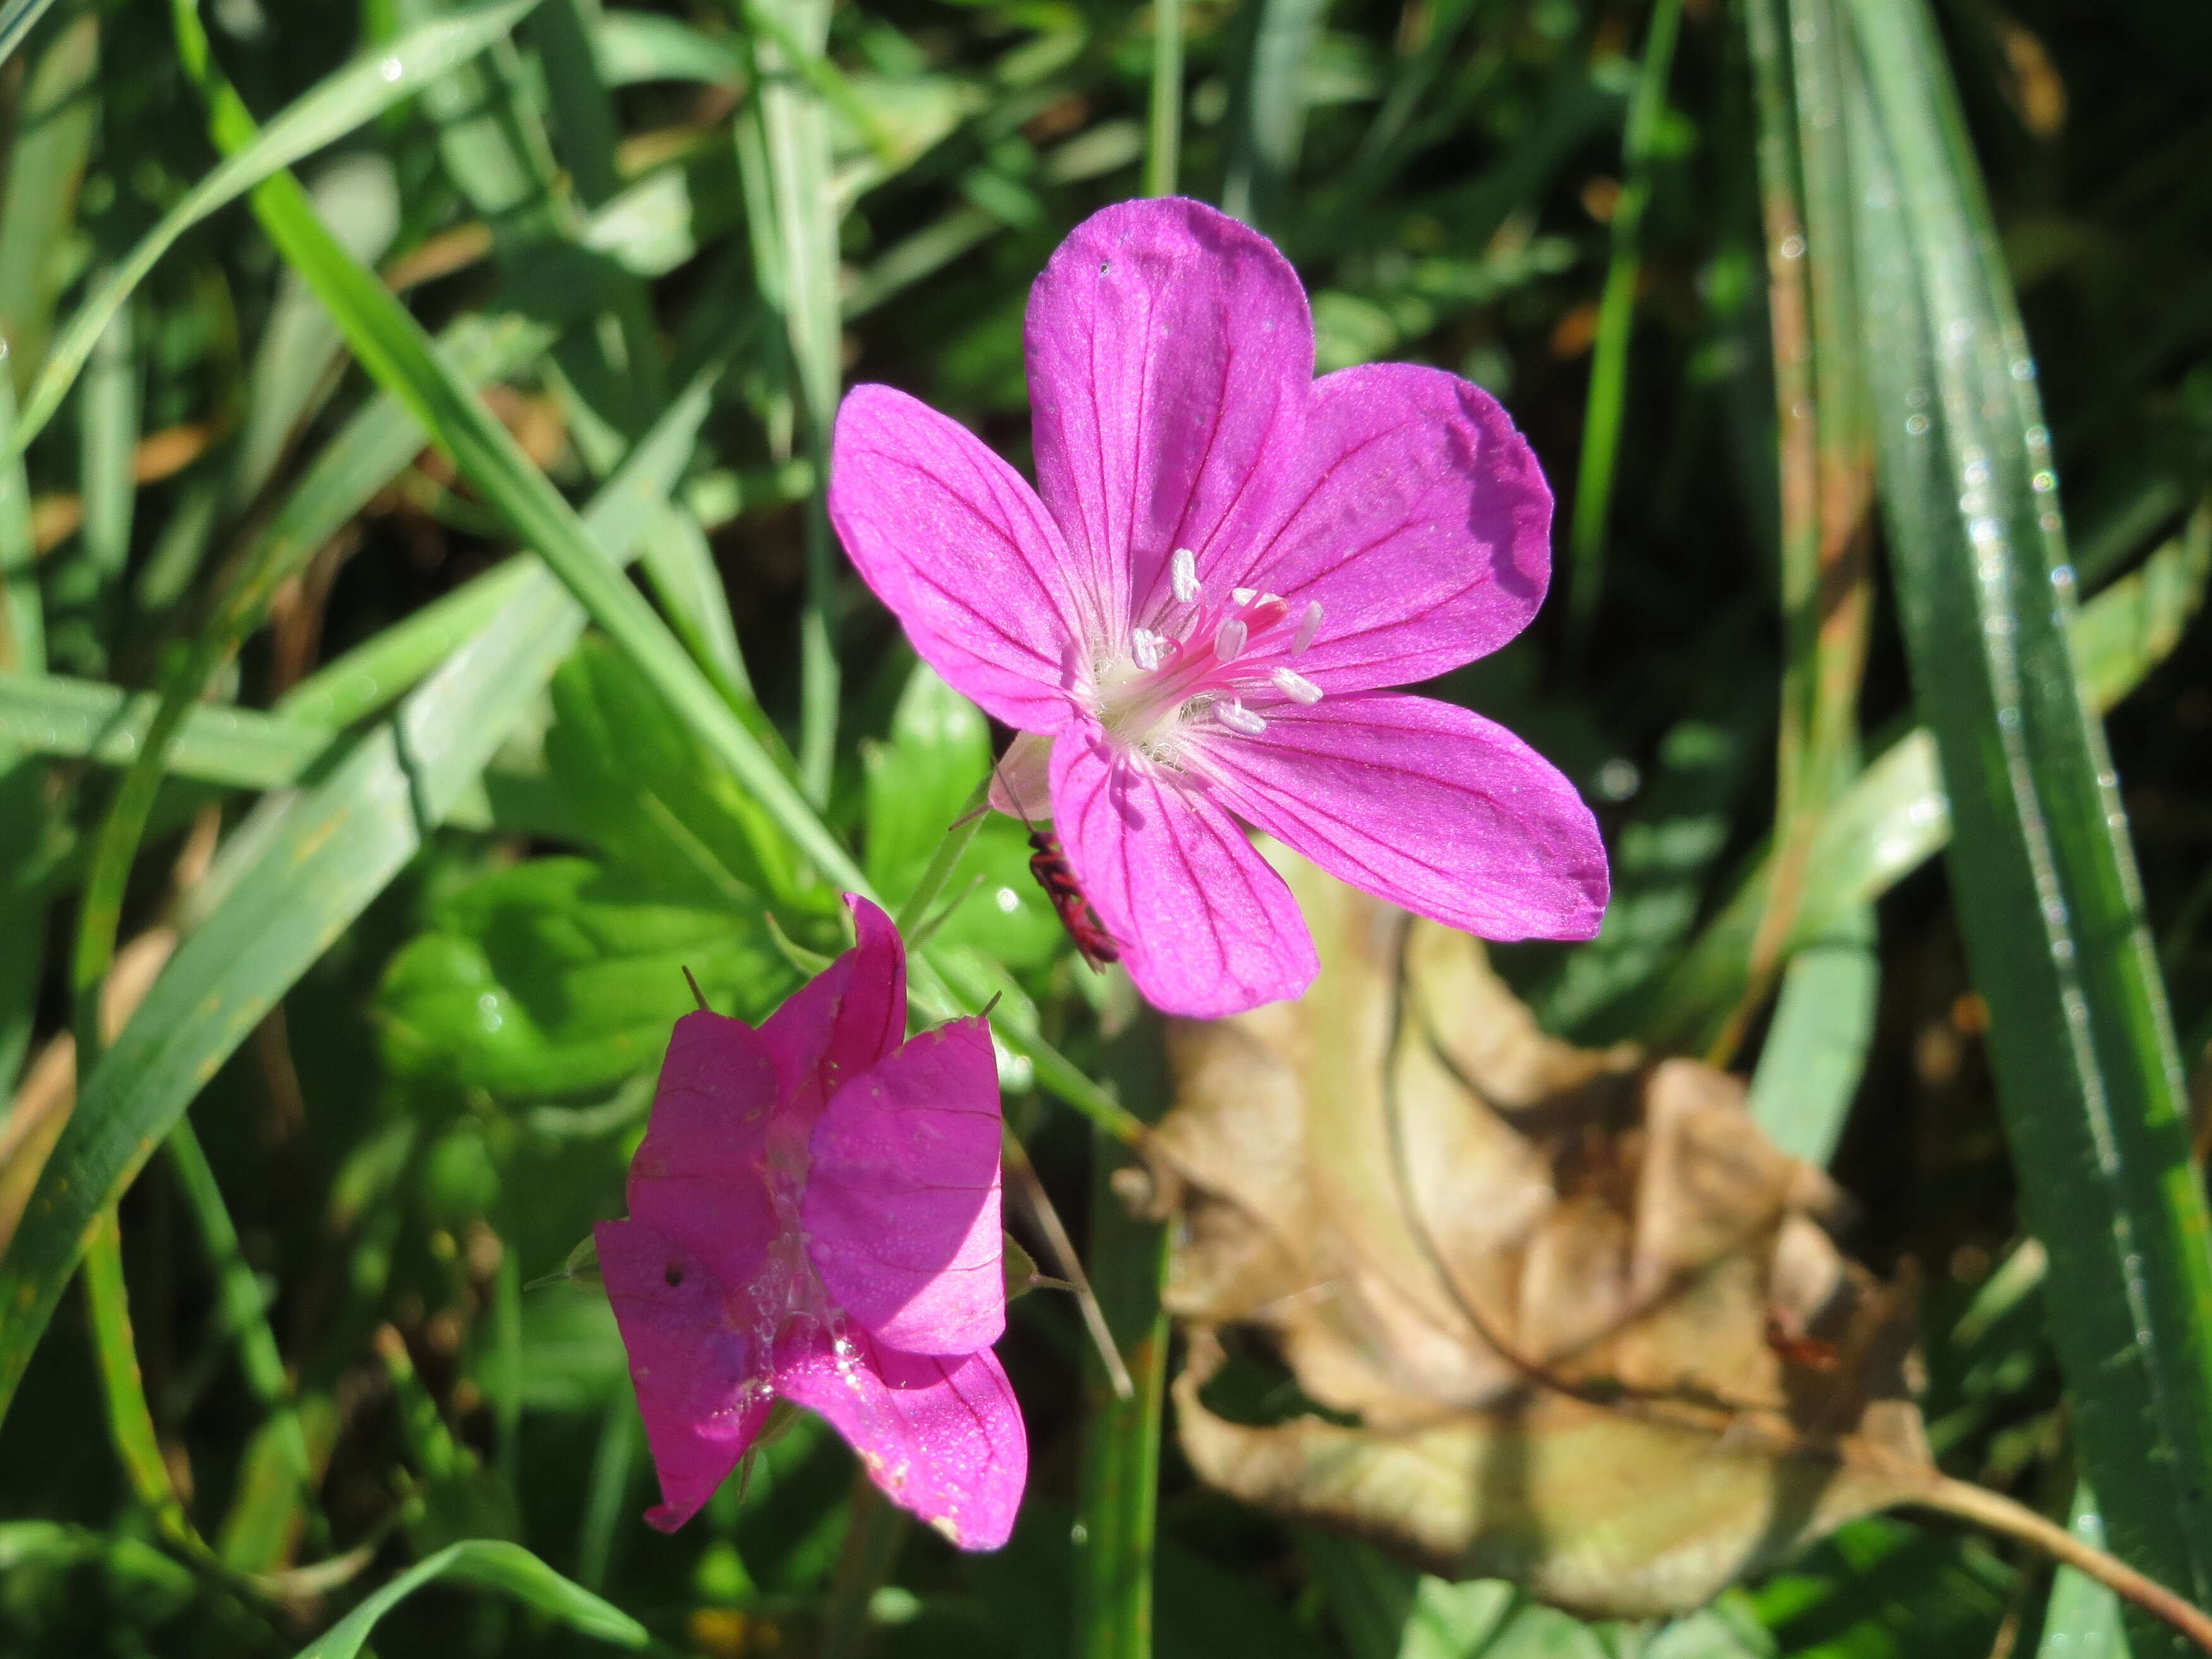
pixel 1229 563
pixel 814 1214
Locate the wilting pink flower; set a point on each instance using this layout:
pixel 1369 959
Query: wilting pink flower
pixel 1229 561
pixel 814 1214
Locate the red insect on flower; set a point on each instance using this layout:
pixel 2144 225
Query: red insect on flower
pixel 1050 866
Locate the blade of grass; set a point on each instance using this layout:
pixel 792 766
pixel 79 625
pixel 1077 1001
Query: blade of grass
pixel 45 166
pixel 1163 126
pixel 1608 387
pixel 794 138
pixel 1272 129
pixel 2042 872
pixel 1826 454
pixel 1816 1048
pixel 50 716
pixel 2083 1619
pixel 108 440
pixel 1118 1482
pixel 488 1563
pixel 335 107
pixel 129 1420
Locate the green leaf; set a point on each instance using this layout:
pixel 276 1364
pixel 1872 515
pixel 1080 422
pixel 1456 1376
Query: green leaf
pixel 488 1563
pixel 653 799
pixel 340 102
pixel 559 978
pixel 2044 877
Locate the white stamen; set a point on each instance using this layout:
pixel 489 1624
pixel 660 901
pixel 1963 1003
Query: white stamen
pixel 1144 647
pixel 1272 599
pixel 1228 640
pixel 1182 571
pixel 1237 718
pixel 1307 626
pixel 1297 687
pixel 1244 595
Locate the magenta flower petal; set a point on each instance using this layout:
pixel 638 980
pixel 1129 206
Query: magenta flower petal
pixel 943 1436
pixel 1206 927
pixel 699 1375
pixel 697 1175
pixel 902 1209
pixel 950 537
pixel 1421 526
pixel 1426 805
pixel 841 1022
pixel 1170 349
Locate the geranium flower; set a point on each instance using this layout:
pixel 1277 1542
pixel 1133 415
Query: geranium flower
pixel 1196 622
pixel 814 1214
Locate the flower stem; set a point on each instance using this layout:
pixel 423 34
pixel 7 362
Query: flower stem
pixel 947 858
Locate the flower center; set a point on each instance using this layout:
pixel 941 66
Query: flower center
pixel 1193 660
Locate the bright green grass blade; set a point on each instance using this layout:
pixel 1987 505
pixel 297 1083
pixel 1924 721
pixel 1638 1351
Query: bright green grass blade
pixel 331 854
pixel 55 123
pixel 2083 1620
pixel 22 612
pixel 1163 127
pixel 49 715
pixel 2041 869
pixel 794 133
pixel 381 668
pixel 358 197
pixel 107 439
pixel 634 45
pixel 1273 131
pixel 1609 385
pixel 129 1420
pixel 1118 1482
pixel 1816 1048
pixel 339 103
pixel 488 1563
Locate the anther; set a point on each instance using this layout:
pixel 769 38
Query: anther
pixel 1228 640
pixel 1308 625
pixel 1144 647
pixel 1297 687
pixel 1237 718
pixel 1244 595
pixel 1182 571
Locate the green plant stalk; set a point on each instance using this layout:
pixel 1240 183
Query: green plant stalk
pixel 244 1309
pixel 1118 1491
pixel 942 863
pixel 875 1534
pixel 1163 130
pixel 2048 898
pixel 1608 387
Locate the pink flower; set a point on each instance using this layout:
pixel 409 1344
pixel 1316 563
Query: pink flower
pixel 1230 561
pixel 814 1214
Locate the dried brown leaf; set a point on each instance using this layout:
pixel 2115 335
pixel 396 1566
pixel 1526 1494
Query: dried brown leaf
pixel 1571 1319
